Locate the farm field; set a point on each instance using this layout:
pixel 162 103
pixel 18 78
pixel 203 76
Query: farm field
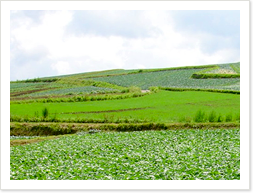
pixel 176 78
pixel 142 124
pixel 145 155
pixel 180 78
pixel 120 81
pixel 163 106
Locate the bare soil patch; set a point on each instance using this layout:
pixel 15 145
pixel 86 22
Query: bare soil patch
pixel 14 94
pixel 108 111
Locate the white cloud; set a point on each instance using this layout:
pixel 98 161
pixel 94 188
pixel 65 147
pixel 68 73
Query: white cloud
pixel 61 67
pixel 48 47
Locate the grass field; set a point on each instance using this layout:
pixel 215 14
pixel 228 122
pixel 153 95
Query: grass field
pixel 163 106
pixel 142 124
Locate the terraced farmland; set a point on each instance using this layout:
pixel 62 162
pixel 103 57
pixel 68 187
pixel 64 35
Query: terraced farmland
pixel 142 124
pixel 174 79
pixel 73 90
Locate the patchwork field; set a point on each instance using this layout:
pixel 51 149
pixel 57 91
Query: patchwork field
pixel 179 124
pixel 174 78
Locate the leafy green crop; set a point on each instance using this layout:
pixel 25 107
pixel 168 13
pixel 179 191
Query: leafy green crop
pixel 15 87
pixel 236 67
pixel 173 78
pixel 73 90
pixel 147 155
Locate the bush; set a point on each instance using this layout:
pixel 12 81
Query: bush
pixel 200 116
pixel 219 119
pixel 154 89
pixel 134 89
pixel 229 117
pixel 205 76
pixel 45 113
pixel 212 117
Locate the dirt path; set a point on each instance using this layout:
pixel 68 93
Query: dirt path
pixel 145 91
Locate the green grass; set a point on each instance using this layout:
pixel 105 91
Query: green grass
pixel 163 106
pixel 146 155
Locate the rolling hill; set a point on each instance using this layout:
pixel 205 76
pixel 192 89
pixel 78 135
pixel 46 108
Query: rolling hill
pixel 145 124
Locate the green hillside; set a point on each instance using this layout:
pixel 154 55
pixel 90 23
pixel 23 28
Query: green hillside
pixel 144 124
pixel 218 77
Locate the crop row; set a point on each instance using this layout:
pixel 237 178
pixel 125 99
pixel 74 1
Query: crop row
pixel 18 87
pixel 78 98
pixel 146 155
pixel 236 67
pixel 175 78
pixel 29 87
pixel 73 90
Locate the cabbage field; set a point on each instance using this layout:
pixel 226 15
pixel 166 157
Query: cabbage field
pixel 175 78
pixel 146 155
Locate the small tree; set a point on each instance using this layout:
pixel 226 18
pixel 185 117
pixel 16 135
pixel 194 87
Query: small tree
pixel 45 112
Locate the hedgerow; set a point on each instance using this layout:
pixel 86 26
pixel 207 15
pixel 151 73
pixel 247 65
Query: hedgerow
pixel 82 98
pixel 206 76
pixel 199 89
pixel 45 129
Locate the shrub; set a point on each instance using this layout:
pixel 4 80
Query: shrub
pixel 228 117
pixel 45 112
pixel 212 117
pixel 200 116
pixel 219 119
pixel 154 88
pixel 134 89
pixel 126 90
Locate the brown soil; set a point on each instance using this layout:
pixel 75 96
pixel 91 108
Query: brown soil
pixel 28 92
pixel 55 96
pixel 16 142
pixel 108 111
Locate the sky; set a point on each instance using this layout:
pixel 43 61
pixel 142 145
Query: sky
pixel 51 43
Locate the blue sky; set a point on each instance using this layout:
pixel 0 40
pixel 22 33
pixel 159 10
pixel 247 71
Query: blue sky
pixel 49 43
